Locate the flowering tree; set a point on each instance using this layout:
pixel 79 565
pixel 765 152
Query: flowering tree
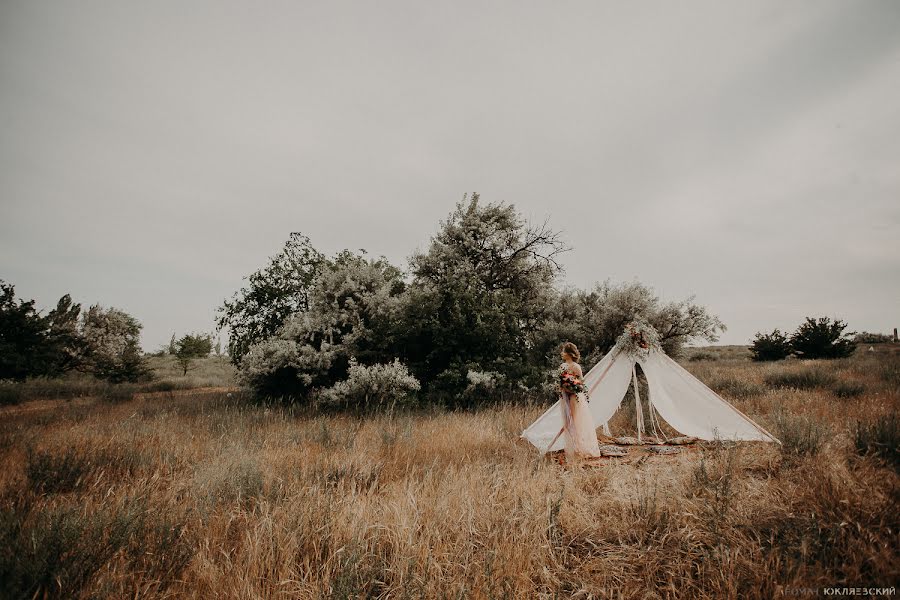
pixel 272 294
pixel 594 320
pixel 374 386
pixel 112 345
pixel 478 292
pixel 481 300
pixel 351 312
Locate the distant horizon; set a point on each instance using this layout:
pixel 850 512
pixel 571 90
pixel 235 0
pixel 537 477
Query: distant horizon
pixel 45 307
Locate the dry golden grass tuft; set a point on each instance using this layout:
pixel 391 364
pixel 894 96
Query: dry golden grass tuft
pixel 201 494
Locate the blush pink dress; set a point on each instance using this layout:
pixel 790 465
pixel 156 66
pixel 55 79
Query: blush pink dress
pixel 580 433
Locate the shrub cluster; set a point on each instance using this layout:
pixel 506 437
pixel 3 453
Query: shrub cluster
pixel 373 386
pixel 478 309
pixel 814 338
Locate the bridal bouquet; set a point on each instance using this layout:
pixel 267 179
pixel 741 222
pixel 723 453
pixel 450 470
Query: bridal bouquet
pixel 571 384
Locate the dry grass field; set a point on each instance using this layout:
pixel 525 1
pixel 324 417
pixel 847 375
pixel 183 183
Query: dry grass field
pixel 200 494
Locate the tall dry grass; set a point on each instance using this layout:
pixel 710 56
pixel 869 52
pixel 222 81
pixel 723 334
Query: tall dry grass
pixel 204 495
pixel 207 372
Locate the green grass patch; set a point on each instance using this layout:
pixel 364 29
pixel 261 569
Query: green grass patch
pixel 55 552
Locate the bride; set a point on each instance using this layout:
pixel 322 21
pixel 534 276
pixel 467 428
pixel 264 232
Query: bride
pixel 578 424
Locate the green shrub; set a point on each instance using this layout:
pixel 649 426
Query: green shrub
pixel 65 388
pixel 55 552
pixel 822 338
pixel 879 437
pixel 119 392
pixel 770 346
pixel 848 389
pixel 166 385
pixel 698 356
pixel 10 393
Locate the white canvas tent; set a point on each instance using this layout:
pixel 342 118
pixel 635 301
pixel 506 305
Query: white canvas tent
pixel 682 400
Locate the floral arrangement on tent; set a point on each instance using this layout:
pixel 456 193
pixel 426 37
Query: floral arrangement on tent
pixel 638 339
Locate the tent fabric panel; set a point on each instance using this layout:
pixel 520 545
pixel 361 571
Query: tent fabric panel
pixel 607 397
pixel 691 407
pixel 541 432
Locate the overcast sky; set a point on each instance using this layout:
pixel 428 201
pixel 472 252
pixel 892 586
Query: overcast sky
pixel 154 153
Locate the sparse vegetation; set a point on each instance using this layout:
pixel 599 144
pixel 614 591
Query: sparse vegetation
pixel 204 495
pixel 865 337
pixel 213 371
pixel 848 389
pixel 805 378
pixel 800 435
pixel 735 387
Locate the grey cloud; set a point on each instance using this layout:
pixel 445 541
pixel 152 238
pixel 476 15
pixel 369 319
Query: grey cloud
pixel 155 153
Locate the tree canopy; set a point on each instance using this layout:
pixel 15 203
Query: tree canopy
pixel 480 303
pixel 280 289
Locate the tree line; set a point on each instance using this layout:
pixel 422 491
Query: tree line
pixel 100 341
pixel 481 309
pixel 815 338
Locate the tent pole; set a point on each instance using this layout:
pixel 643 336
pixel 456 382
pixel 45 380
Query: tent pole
pixel 654 415
pixel 654 420
pixel 602 375
pixel 554 439
pixel 637 403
